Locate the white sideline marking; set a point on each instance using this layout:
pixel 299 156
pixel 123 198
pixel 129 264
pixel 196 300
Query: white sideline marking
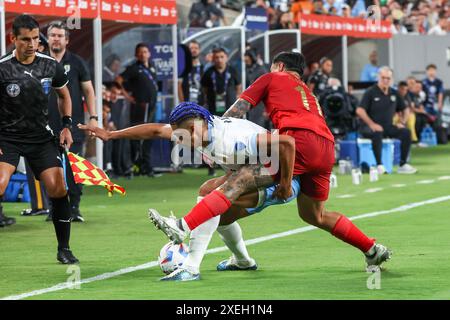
pixel 399 185
pixel 373 190
pixel 104 276
pixel 345 196
pixel 425 181
pixel 444 178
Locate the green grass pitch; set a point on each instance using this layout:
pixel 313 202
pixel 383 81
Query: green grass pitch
pixel 308 265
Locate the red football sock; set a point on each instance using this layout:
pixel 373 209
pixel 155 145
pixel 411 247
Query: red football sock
pixel 212 205
pixel 348 232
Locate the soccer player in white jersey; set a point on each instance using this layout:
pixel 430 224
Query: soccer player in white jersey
pixel 225 142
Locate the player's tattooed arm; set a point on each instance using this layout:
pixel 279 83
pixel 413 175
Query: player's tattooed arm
pixel 238 109
pixel 247 179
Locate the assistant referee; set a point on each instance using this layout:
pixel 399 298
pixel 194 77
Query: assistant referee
pixel 26 78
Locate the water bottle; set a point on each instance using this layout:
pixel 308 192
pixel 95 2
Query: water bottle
pixel 356 176
pixel 373 176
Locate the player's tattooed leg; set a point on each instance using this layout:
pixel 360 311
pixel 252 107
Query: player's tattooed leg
pixel 246 179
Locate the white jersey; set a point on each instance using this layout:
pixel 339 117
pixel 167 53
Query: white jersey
pixel 232 143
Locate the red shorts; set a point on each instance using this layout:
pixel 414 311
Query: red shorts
pixel 314 161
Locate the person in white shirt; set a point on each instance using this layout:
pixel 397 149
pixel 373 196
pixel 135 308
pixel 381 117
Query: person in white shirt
pixel 441 28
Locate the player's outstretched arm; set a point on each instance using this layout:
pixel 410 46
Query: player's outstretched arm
pixel 238 109
pixel 139 132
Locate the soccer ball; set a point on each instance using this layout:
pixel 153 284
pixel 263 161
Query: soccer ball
pixel 172 256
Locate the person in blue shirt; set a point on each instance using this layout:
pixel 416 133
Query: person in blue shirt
pixel 370 71
pixel 434 90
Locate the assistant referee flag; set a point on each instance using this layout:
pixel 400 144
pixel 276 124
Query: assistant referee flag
pixel 86 173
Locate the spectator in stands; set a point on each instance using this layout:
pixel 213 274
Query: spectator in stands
pixel 398 28
pixel 358 8
pixel 111 68
pixel 301 6
pixel 271 13
pixel 318 81
pixel 369 72
pixel 336 4
pixel 318 7
pixel 206 14
pixel 281 5
pixel 284 22
pixel 377 108
pixel 346 11
pixel 189 86
pixel 434 90
pixel 441 27
pixel 419 24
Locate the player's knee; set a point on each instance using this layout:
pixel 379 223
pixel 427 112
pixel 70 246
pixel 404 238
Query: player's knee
pixel 56 191
pixel 311 216
pixel 3 185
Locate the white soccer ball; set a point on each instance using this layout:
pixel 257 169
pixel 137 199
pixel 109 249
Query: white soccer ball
pixel 172 256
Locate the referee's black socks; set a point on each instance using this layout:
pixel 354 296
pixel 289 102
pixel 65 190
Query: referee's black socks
pixel 61 220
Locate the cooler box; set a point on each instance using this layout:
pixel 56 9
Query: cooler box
pixel 365 154
pixel 348 150
pixel 17 190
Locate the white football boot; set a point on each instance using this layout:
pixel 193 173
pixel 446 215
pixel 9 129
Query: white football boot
pixel 381 255
pixel 168 225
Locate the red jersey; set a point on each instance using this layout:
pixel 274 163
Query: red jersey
pixel 289 103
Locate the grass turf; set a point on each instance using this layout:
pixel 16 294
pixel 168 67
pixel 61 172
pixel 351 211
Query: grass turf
pixel 310 265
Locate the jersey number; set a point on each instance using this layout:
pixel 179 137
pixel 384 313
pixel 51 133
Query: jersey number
pixel 305 100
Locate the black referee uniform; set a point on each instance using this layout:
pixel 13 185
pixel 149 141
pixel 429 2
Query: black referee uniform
pixel 24 129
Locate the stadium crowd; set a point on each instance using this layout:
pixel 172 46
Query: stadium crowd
pixel 418 17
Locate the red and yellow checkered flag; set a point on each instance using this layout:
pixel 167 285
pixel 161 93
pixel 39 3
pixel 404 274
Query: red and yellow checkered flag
pixel 86 173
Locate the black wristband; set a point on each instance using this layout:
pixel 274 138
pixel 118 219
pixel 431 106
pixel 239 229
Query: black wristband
pixel 93 117
pixel 67 122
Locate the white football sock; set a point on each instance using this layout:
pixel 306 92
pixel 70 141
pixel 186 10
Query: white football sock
pixel 198 243
pixel 232 236
pixel 184 225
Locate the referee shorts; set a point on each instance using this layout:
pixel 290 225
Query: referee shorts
pixel 40 156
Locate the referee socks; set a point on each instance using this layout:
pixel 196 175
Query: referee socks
pixel 61 220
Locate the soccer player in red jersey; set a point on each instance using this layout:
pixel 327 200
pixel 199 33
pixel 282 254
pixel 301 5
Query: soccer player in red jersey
pixel 295 111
